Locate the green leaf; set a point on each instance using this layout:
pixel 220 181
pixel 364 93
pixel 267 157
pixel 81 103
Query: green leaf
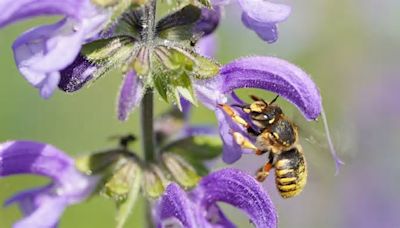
pixel 161 85
pixel 125 208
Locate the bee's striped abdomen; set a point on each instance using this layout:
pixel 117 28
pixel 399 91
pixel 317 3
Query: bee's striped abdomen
pixel 291 172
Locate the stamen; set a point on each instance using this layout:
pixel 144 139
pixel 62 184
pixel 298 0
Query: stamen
pixel 338 162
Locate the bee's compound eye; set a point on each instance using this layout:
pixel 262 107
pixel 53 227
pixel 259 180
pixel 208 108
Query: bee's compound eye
pixel 266 117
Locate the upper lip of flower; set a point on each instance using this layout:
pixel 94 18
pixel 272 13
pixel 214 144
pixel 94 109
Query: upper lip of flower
pixel 268 73
pixel 199 208
pixel 68 186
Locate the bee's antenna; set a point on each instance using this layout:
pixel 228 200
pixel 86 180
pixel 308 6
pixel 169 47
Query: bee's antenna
pixel 255 98
pixel 273 100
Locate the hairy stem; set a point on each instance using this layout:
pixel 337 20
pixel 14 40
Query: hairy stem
pixel 147 126
pixel 150 20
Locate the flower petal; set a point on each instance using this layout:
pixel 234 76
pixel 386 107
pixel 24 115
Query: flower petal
pixel 210 92
pixel 266 31
pixel 242 191
pixel 186 109
pixel 27 157
pixel 176 208
pixel 175 204
pixel 262 16
pixel 231 150
pixel 264 11
pixel 42 52
pixel 219 2
pixel 209 20
pixel 40 49
pixel 275 75
pixel 131 94
pixel 39 207
pixel 43 206
pixel 12 11
pixel 76 75
pixel 207 46
pixel 37 54
pixel 47 215
pixel 197 130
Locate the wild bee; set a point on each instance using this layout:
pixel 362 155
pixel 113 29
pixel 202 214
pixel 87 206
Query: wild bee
pixel 278 138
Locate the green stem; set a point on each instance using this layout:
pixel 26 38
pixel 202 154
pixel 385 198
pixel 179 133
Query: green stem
pixel 147 113
pixel 147 126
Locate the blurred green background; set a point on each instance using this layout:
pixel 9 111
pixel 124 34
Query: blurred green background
pixel 351 50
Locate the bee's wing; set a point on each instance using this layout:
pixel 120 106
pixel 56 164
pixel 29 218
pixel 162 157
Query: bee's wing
pixel 315 142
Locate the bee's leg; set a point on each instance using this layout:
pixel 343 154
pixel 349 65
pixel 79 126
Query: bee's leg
pixel 263 172
pixel 245 143
pixel 228 110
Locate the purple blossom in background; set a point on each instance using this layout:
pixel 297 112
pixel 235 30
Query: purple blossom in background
pixel 199 209
pixel 261 16
pixel 42 52
pixel 43 206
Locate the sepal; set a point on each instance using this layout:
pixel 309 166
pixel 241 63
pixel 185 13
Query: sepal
pixel 181 170
pixel 154 182
pixel 179 26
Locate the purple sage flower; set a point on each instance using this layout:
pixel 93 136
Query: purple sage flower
pixel 268 73
pixel 261 16
pixel 198 208
pixel 43 206
pixel 42 52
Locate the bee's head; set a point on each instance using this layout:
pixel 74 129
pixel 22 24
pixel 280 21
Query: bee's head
pixel 262 113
